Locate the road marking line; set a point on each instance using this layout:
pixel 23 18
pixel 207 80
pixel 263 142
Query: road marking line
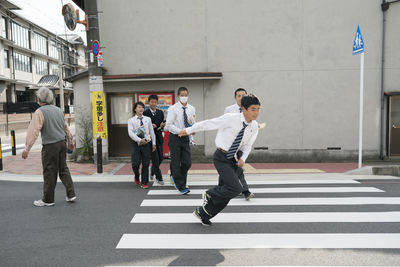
pixel 283 190
pixel 257 240
pixel 277 182
pixel 271 217
pixel 280 201
pixel 252 170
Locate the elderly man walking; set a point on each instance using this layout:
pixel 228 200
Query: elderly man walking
pixel 49 121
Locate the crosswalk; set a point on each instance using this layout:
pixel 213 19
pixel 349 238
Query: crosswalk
pixel 329 206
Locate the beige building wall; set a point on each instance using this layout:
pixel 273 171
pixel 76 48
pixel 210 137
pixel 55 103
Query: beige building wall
pixel 296 55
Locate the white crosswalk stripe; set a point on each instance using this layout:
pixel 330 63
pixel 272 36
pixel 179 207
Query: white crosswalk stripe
pixel 245 241
pixel 282 190
pixel 290 181
pixel 281 201
pixel 309 239
pixel 271 217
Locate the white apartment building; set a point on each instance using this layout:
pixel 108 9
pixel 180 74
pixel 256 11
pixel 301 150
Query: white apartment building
pixel 30 53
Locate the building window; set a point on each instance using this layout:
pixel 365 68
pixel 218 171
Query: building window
pixel 20 35
pixel 53 51
pixel 22 62
pixel 54 69
pixel 65 54
pixel 6 59
pixel 42 67
pixel 40 43
pixel 67 72
pixel 4 26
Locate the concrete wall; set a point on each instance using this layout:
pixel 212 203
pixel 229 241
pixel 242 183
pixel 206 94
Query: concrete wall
pixel 296 55
pixel 82 107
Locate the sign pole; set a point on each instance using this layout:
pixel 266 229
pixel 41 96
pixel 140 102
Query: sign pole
pixel 361 110
pixel 358 48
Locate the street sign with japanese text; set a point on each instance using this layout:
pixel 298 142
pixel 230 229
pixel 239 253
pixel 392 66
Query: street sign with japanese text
pixel 99 114
pixel 100 59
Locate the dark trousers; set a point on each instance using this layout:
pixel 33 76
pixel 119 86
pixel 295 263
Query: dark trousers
pixel 54 164
pixel 240 174
pixel 156 160
pixel 141 154
pixel 242 180
pixel 180 159
pixel 228 187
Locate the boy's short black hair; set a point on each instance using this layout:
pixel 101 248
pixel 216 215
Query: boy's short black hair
pixel 181 89
pixel 137 104
pixel 153 97
pixel 249 100
pixel 240 89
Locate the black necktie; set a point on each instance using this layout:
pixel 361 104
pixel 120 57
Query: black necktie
pixel 185 118
pixel 235 145
pixel 141 121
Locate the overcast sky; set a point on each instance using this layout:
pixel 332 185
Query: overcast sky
pixel 47 14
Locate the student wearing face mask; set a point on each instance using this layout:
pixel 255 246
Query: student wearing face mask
pixel 180 116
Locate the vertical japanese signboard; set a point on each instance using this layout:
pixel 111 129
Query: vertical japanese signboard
pixel 99 115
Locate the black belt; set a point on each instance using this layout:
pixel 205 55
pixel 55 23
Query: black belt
pixel 223 151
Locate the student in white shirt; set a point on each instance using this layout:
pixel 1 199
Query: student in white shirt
pixel 236 131
pixel 236 108
pixel 180 115
pixel 157 117
pixel 140 147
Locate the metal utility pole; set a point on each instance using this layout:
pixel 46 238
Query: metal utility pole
pixel 61 74
pixel 95 72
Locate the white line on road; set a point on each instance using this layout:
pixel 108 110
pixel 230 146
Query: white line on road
pixel 282 190
pixel 280 201
pixel 287 181
pixel 273 217
pixel 257 240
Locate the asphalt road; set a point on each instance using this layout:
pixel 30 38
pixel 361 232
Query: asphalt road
pixel 88 232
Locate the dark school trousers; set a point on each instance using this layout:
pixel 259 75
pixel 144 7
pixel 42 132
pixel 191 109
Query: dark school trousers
pixel 181 160
pixel 141 154
pixel 54 164
pixel 156 160
pixel 230 185
pixel 240 174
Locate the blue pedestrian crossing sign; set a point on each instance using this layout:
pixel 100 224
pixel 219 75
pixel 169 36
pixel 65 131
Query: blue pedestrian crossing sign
pixel 358 45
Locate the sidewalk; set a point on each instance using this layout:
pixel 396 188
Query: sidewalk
pixel 33 166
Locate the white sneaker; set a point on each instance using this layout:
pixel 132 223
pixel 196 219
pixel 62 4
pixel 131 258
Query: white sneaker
pixel 152 177
pixel 72 199
pixel 40 203
pixel 160 182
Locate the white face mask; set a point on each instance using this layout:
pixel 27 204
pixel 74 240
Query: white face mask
pixel 183 99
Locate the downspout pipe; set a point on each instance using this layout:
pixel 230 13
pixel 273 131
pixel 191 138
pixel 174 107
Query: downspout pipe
pixel 384 7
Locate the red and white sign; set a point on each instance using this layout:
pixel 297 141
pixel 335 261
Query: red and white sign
pixel 100 59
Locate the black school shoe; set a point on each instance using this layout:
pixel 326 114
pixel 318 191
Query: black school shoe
pixel 205 222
